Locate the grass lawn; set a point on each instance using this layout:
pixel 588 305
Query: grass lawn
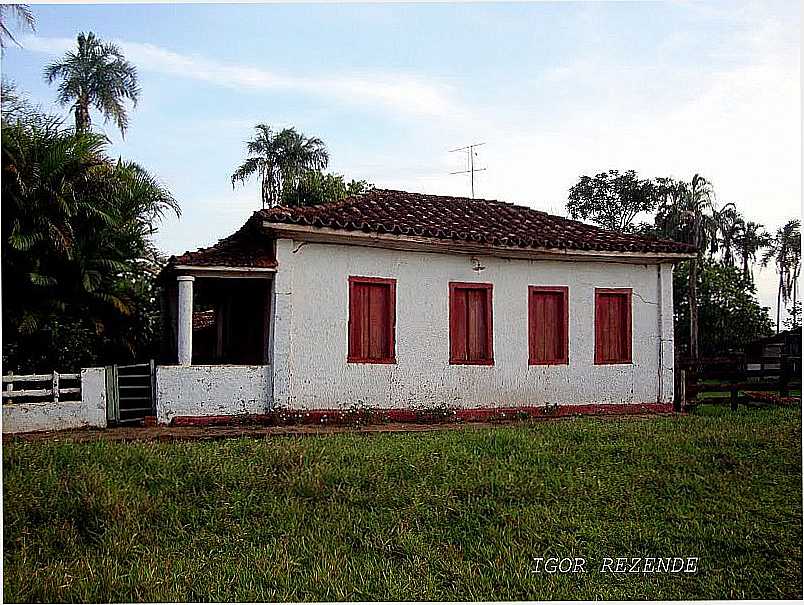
pixel 435 516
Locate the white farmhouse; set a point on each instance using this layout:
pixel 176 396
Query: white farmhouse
pixel 396 300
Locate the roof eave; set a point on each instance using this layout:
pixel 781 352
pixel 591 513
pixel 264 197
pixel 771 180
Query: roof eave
pixel 427 244
pixel 241 272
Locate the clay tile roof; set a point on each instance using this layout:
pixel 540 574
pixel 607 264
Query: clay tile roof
pixel 466 220
pixel 248 247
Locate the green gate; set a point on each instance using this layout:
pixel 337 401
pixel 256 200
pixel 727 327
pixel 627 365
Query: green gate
pixel 130 393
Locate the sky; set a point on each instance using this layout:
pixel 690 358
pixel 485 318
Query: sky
pixel 554 90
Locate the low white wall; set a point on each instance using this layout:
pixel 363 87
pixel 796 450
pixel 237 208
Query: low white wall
pixel 49 416
pixel 212 390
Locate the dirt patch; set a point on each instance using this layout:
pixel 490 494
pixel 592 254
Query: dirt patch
pixel 200 433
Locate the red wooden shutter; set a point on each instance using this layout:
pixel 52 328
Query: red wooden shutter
pixel 470 328
pixel 371 320
pixel 612 325
pixel 548 315
pixel 457 326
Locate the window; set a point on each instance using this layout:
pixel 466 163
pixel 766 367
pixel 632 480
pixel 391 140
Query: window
pixel 470 335
pixel 372 320
pixel 548 314
pixel 612 325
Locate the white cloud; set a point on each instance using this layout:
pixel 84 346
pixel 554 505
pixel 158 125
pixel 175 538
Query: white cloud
pixel 403 93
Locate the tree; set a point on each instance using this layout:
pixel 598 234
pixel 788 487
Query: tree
pixel 95 75
pixel 280 160
pixel 729 222
pixel 316 188
pixel 686 213
pixel 612 200
pixel 793 320
pixel 77 258
pixel 729 312
pixel 749 239
pixel 785 250
pixel 22 14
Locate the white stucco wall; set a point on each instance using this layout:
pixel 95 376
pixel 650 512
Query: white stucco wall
pixel 311 322
pixel 212 390
pixel 49 416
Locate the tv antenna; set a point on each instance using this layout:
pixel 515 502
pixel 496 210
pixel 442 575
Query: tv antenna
pixel 470 163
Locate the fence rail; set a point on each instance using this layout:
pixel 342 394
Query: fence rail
pixel 735 376
pixel 52 392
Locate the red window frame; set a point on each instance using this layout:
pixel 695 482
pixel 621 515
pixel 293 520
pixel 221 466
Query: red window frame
pixel 454 323
pixel 563 328
pixel 391 319
pixel 599 357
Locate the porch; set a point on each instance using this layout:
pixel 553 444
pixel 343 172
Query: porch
pixel 217 337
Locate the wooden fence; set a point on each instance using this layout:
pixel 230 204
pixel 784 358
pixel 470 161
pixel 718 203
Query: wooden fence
pixel 737 377
pixel 51 388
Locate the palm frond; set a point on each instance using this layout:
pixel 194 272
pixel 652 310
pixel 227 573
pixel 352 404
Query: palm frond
pixel 23 16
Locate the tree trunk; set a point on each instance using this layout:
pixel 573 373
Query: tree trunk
pixel 82 120
pixel 745 266
pixel 692 286
pixel 779 303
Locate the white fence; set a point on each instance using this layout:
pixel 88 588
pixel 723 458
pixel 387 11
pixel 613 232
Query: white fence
pixel 61 401
pixel 53 393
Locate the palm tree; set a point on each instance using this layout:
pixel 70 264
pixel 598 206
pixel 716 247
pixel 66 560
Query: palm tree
pixel 22 15
pixel 729 222
pixel 687 214
pixel 96 75
pixel 785 249
pixel 749 239
pixel 281 160
pixel 76 229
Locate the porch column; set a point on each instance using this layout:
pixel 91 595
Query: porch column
pixel 185 320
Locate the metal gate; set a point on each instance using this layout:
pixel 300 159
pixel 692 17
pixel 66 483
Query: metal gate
pixel 130 393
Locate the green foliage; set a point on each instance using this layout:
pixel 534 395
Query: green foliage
pixel 793 320
pixel 280 160
pixel 612 200
pixel 728 311
pixel 77 259
pixel 785 250
pixel 453 515
pixel 686 211
pixel 95 75
pixel 750 238
pixel 316 187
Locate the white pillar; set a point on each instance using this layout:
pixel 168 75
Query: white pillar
pixel 281 321
pixel 185 319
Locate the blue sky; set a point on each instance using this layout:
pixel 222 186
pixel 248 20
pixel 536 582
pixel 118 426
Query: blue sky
pixel 555 90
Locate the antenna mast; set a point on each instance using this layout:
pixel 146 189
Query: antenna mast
pixel 470 163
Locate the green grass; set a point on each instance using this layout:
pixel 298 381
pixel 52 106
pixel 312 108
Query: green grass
pixel 433 516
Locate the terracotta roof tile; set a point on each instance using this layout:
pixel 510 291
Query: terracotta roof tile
pixel 464 219
pixel 459 219
pixel 248 247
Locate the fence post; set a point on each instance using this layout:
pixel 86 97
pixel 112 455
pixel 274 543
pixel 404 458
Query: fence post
pixel 784 376
pixel 10 385
pixel 733 398
pixel 152 371
pixel 112 396
pixel 691 384
pixel 55 386
pixel 680 390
